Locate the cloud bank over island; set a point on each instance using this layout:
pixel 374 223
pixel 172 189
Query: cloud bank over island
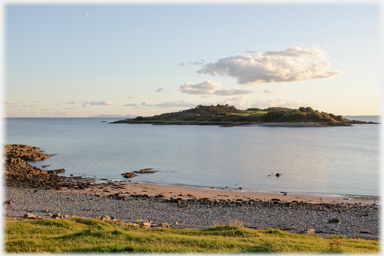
pixel 211 87
pixel 279 102
pixel 289 65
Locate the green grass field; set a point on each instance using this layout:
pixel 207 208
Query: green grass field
pixel 91 235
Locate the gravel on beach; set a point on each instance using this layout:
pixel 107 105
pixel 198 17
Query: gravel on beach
pixel 350 220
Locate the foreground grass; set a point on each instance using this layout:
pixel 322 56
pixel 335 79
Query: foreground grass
pixel 91 235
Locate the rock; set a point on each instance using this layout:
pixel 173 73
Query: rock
pixel 278 174
pixel 105 218
pixel 334 220
pixel 164 225
pixel 57 215
pixel 310 232
pixel 48 214
pixel 145 225
pixel 129 175
pixel 31 216
pixel 147 170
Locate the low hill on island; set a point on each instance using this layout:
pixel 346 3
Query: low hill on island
pixel 225 115
pixel 228 113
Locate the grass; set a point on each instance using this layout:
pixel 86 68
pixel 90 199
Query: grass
pixel 249 113
pixel 91 235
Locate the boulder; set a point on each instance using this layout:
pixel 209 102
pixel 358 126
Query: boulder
pixel 310 232
pixel 105 218
pixel 164 225
pixel 145 225
pixel 57 215
pixel 31 216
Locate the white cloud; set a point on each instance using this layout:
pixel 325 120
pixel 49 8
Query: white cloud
pixel 211 87
pixel 61 113
pixel 198 62
pixel 34 112
pixel 298 52
pixel 101 103
pixel 170 104
pixel 159 90
pixel 289 65
pixel 72 102
pixel 9 104
pixel 240 102
pixel 146 104
pixel 130 105
pixel 279 102
pixel 273 91
pixel 131 97
pixel 179 103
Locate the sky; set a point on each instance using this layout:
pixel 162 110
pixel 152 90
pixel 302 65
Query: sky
pixel 85 60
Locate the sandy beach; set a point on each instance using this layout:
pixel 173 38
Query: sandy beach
pixel 185 192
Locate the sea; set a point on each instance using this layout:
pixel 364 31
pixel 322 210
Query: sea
pixel 311 160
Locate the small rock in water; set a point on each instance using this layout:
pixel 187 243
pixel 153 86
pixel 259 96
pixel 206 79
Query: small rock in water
pixel 278 174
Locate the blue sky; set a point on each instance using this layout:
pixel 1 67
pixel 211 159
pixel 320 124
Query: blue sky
pixel 72 60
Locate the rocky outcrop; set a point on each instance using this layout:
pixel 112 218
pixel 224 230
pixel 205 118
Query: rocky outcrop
pixel 19 173
pixel 147 170
pixel 129 175
pixel 16 158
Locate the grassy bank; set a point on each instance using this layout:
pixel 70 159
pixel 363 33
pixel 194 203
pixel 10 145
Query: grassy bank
pixel 91 235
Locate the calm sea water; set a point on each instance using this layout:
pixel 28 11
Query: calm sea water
pixel 337 160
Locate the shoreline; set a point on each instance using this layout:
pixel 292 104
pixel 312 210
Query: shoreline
pixel 19 172
pixel 231 124
pixel 122 187
pixel 33 193
pixel 133 203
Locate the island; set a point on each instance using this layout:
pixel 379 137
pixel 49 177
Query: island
pixel 228 116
